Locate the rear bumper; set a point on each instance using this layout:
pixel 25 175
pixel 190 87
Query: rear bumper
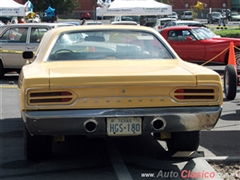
pixel 73 122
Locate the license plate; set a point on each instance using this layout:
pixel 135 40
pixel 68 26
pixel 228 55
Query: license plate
pixel 124 126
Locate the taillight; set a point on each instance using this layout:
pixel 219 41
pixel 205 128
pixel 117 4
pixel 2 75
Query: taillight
pixel 194 94
pixel 179 91
pixel 66 94
pixel 159 27
pixel 50 97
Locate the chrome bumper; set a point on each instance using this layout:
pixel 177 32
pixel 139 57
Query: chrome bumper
pixel 73 122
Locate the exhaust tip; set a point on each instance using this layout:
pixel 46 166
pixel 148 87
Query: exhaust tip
pixel 158 123
pixel 90 125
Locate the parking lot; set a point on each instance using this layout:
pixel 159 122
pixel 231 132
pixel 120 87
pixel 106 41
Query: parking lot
pixel 121 158
pixel 118 158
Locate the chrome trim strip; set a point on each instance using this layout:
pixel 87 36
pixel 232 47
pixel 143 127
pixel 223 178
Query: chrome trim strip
pixel 92 113
pixel 72 121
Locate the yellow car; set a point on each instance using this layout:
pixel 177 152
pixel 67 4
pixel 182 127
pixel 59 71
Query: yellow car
pixel 114 81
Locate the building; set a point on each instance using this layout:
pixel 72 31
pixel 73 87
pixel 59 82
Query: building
pixel 209 5
pixel 214 4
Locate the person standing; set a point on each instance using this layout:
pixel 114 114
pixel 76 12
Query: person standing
pixel 20 19
pixel 221 21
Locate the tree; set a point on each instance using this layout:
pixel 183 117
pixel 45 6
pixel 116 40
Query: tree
pixel 60 6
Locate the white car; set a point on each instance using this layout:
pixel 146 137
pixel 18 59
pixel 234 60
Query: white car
pixel 187 15
pixel 160 22
pixel 173 15
pixel 1 23
pixel 135 18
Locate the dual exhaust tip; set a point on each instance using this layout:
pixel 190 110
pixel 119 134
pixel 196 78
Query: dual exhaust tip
pixel 157 123
pixel 90 125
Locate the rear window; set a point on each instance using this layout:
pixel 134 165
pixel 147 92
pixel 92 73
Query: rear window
pixel 163 22
pixel 131 18
pixel 94 23
pixel 108 45
pixel 188 13
pixel 216 14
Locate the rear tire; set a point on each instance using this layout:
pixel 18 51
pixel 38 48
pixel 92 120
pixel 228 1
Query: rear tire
pixel 2 72
pixel 237 56
pixel 183 141
pixel 230 82
pixel 36 147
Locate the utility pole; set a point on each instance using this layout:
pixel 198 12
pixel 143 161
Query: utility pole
pixel 210 7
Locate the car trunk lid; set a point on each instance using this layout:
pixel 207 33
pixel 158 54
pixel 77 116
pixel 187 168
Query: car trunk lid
pixel 119 73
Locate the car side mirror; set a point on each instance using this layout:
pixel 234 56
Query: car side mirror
pixel 28 56
pixel 189 38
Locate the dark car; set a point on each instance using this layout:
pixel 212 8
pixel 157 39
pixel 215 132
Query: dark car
pixel 5 19
pixel 214 17
pixel 85 15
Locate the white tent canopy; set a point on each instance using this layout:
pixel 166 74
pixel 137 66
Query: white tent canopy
pixel 137 7
pixel 11 8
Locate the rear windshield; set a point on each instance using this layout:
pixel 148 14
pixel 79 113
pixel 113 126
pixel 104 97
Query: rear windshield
pixel 216 14
pixel 131 18
pixel 108 45
pixel 188 13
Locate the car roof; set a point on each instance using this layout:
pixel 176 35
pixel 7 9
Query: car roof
pixel 173 19
pixel 38 24
pixel 124 23
pixel 101 27
pixel 179 27
pixel 185 21
pixel 93 22
pixel 51 25
pixel 74 23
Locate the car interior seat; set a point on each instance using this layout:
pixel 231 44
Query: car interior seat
pixel 179 36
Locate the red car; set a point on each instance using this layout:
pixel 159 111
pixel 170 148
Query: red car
pixel 85 15
pixel 199 44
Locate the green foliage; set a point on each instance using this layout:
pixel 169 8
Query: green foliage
pixel 195 14
pixel 230 33
pixel 60 6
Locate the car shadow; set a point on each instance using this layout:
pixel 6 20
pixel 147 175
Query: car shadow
pixel 79 156
pixel 9 79
pixel 221 143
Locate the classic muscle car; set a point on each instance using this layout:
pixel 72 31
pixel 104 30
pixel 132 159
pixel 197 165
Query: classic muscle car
pixel 195 44
pixel 114 81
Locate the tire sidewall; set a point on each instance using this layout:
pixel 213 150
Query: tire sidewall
pixel 230 82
